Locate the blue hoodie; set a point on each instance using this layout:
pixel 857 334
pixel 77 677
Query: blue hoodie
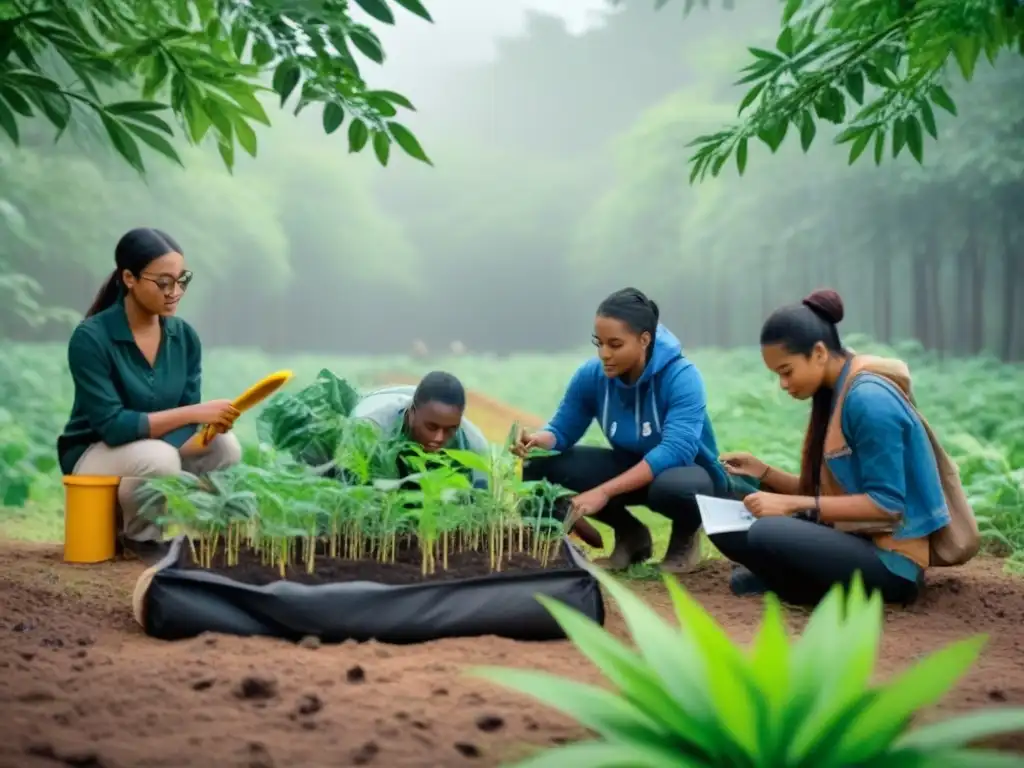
pixel 662 416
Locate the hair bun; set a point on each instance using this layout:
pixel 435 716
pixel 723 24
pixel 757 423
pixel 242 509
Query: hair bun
pixel 654 309
pixel 826 303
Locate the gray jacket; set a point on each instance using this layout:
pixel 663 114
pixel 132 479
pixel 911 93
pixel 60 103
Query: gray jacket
pixel 386 409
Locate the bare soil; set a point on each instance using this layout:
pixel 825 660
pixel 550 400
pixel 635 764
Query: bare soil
pixel 407 568
pixel 81 685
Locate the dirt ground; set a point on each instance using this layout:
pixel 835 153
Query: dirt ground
pixel 81 685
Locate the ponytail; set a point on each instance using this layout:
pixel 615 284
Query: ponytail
pixel 107 295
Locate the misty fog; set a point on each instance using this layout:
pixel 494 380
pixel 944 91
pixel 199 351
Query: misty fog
pixel 558 132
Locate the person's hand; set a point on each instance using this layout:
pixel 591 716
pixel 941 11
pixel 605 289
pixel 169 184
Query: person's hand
pixel 586 503
pixel 527 441
pixel 219 414
pixel 743 464
pixel 764 504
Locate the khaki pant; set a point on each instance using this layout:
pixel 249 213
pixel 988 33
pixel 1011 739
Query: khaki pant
pixel 135 462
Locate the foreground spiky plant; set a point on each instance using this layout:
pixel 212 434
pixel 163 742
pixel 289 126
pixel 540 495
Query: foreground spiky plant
pixel 687 697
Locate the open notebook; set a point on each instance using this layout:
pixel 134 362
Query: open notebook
pixel 723 515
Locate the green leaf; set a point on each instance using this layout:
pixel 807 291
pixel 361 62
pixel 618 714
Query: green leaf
pixel 17 102
pixel 415 6
pixel 928 118
pixel 408 142
pixel 879 146
pixel 8 122
pixel 625 670
pixel 156 76
pixel 899 136
pixel 764 55
pixel 286 78
pixel 394 98
pixel 784 42
pixel 220 114
pixel 382 146
pixel 131 107
pixel 244 96
pixel 262 53
pixel 239 39
pixel 854 82
pixel 226 148
pixel 378 10
pixel 149 120
pixel 358 134
pixel 28 79
pixel 333 117
pixel 367 44
pixel 123 142
pixel 751 95
pixel 155 141
pixel 915 138
pixel 792 6
pixel 245 134
pixel 807 129
pixel 602 755
pixel 605 712
pixel 966 49
pixel 964 729
pixel 921 685
pixel 741 155
pixel 942 99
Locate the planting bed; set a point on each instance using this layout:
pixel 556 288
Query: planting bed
pixel 336 599
pixel 406 569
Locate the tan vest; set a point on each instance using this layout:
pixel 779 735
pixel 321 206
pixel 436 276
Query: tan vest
pixel 954 544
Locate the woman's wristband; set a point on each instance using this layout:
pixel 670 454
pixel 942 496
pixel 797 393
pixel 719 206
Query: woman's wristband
pixel 764 474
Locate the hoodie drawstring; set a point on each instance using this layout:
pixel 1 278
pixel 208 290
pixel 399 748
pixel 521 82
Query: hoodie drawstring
pixel 636 409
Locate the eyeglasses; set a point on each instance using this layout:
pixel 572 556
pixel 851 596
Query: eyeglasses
pixel 166 283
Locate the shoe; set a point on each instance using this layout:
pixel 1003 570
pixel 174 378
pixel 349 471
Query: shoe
pixel 631 548
pixel 683 558
pixel 744 583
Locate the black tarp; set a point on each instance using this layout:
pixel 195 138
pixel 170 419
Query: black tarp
pixel 182 603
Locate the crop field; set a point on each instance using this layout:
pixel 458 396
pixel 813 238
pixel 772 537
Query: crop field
pixel 974 405
pixel 83 684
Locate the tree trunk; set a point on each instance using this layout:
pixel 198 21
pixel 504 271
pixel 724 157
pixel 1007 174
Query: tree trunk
pixel 977 258
pixel 883 298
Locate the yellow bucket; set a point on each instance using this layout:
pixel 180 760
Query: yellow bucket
pixel 90 518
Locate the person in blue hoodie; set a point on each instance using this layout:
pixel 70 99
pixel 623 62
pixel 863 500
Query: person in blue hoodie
pixel 650 402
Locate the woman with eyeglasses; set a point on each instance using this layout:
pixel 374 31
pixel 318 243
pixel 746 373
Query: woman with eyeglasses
pixel 137 371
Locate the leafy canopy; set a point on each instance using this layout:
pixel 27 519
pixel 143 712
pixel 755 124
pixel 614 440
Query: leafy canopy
pixel 875 68
pixel 203 60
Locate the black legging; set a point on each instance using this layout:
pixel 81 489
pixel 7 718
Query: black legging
pixel 800 561
pixel 581 468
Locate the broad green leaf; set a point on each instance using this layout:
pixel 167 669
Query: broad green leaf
pixel 899 136
pixel 469 459
pixel 975 758
pixel 8 122
pixel 286 78
pixel 741 155
pixel 770 669
pixel 27 79
pixel 966 49
pixel 879 146
pixel 792 6
pixel 415 6
pixel 923 684
pixel 220 114
pixel 123 142
pixel 625 670
pixel 132 107
pixel 245 134
pixel 727 676
pixel 750 97
pixel 941 99
pixel 226 149
pixel 367 45
pixel 928 118
pixel 358 134
pixel 608 714
pixel 245 97
pixel 601 755
pixel 964 729
pixel 408 142
pixel 807 130
pixel 149 120
pixel 394 98
pixel 784 42
pixel 915 139
pixel 333 117
pixel 155 141
pixel 854 82
pixel 262 53
pixel 378 9
pixel 17 102
pixel 382 146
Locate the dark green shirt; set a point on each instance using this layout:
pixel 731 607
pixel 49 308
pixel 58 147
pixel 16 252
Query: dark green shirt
pixel 115 386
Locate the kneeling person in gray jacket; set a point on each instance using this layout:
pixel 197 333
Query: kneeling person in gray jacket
pixel 429 414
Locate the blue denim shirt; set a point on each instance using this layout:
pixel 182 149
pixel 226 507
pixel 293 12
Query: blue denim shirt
pixel 892 461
